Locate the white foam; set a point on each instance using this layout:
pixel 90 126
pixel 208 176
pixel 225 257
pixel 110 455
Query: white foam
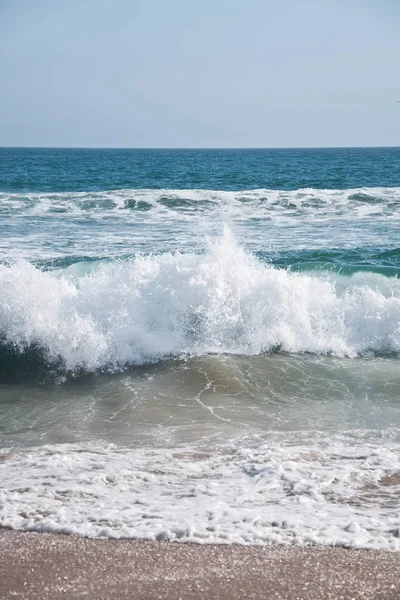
pixel 225 301
pixel 290 490
pixel 304 197
pixel 135 205
pixel 111 223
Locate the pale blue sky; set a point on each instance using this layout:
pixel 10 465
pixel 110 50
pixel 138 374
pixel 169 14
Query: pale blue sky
pixel 209 73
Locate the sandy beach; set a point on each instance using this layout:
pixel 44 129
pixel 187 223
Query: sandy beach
pixel 48 566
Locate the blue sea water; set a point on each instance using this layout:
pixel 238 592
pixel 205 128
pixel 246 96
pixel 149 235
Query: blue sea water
pixel 201 345
pixel 72 170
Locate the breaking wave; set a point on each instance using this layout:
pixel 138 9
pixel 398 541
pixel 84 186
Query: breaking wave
pixel 243 203
pixel 144 309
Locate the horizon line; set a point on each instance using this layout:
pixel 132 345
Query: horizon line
pixel 196 147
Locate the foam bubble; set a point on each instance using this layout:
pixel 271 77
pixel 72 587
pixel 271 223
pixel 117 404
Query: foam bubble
pixel 298 492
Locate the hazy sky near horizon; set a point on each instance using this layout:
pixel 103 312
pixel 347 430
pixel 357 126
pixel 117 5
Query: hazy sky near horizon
pixel 209 73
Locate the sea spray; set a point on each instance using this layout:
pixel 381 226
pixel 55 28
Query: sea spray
pixel 224 301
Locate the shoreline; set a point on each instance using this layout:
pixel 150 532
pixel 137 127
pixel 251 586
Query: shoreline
pixel 50 566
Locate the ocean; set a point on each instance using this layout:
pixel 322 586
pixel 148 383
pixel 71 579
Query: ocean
pixel 201 345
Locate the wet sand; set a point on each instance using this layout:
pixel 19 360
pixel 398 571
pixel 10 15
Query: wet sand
pixel 50 566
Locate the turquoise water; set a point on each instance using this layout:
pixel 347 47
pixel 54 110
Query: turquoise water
pixel 228 315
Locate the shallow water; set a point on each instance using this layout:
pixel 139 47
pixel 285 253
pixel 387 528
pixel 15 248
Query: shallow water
pixel 218 397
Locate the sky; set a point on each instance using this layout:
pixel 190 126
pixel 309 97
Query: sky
pixel 199 73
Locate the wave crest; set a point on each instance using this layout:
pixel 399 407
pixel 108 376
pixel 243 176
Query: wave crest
pixel 226 301
pixel 249 203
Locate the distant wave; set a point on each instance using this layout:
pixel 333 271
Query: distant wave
pixel 125 222
pixel 360 201
pixel 225 301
